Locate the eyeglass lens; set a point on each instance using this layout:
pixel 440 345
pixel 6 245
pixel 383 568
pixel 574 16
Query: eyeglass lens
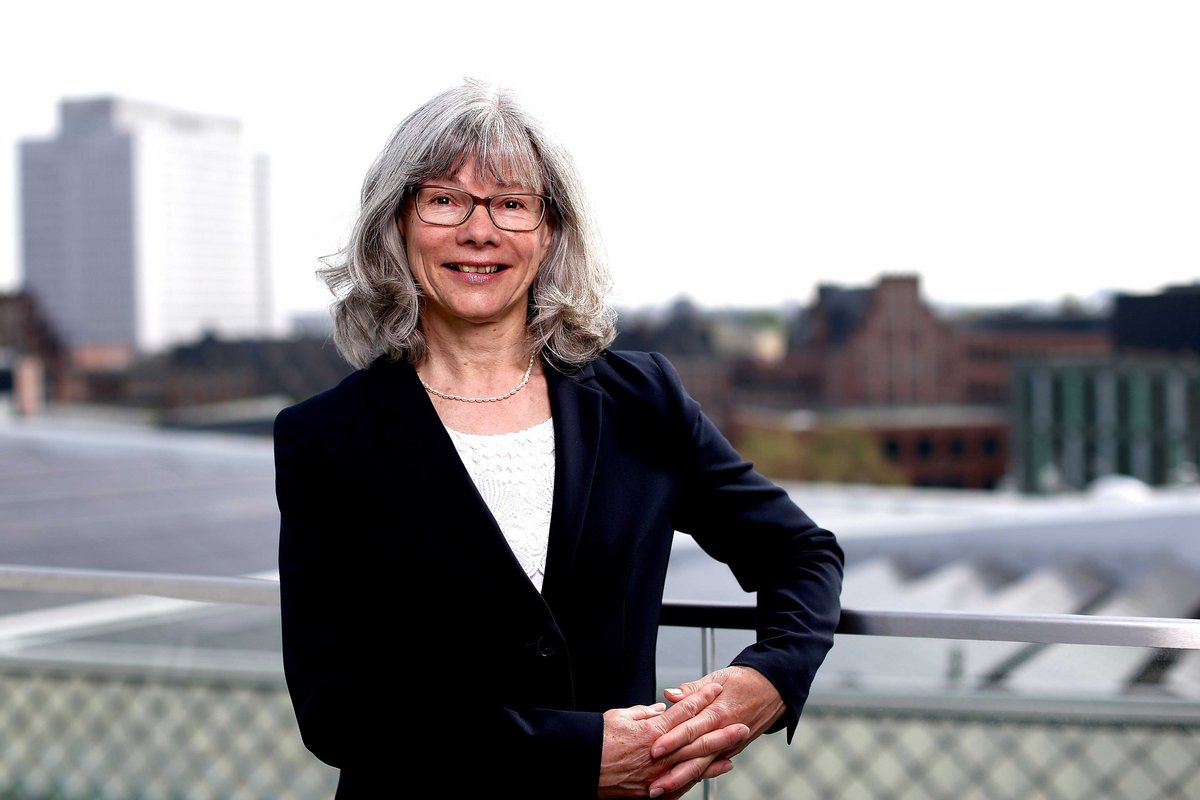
pixel 514 212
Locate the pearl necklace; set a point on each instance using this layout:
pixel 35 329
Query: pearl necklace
pixel 497 398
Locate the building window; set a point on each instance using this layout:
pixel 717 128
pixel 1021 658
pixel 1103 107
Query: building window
pixel 956 447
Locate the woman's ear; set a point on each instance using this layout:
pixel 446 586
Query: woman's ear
pixel 400 215
pixel 398 218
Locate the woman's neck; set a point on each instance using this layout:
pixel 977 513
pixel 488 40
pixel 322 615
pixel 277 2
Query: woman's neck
pixel 474 360
pixel 484 364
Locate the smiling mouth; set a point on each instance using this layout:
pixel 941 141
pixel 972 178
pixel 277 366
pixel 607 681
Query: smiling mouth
pixel 476 269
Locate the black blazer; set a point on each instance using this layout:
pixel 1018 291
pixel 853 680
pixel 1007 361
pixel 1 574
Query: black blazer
pixel 411 636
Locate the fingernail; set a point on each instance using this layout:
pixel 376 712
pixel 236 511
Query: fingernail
pixel 657 751
pixel 658 707
pixel 674 691
pixel 655 791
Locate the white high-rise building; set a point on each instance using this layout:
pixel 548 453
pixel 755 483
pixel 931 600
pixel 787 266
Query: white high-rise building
pixel 145 227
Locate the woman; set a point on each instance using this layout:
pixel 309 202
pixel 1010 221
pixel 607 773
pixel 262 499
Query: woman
pixel 476 523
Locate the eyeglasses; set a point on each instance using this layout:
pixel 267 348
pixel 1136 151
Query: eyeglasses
pixel 515 211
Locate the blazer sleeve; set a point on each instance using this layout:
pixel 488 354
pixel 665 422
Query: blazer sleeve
pixel 773 548
pixel 365 695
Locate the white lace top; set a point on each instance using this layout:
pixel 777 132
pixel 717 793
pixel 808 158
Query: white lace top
pixel 514 472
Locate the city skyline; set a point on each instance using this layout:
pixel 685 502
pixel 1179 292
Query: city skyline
pixel 1005 155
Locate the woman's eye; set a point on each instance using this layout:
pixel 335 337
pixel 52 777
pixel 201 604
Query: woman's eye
pixel 513 203
pixel 432 197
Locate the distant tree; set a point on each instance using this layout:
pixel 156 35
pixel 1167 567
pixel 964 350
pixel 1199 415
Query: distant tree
pixel 684 330
pixel 775 454
pixel 834 454
pixel 767 318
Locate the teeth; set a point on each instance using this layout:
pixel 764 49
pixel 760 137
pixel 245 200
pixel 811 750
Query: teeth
pixel 476 270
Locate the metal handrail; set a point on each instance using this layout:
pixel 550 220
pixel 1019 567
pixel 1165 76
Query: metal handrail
pixel 243 590
pixel 1158 632
pixel 1162 632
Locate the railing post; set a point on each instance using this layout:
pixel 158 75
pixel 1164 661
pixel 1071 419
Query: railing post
pixel 708 657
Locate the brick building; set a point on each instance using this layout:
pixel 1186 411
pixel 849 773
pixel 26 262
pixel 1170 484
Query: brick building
pixel 933 391
pixel 32 359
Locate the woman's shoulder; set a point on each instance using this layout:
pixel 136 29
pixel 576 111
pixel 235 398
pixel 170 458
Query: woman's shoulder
pixel 349 394
pixel 322 403
pixel 640 379
pixel 637 367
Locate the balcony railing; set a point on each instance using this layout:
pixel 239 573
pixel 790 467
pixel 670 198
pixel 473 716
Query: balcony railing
pixel 1167 633
pixel 74 728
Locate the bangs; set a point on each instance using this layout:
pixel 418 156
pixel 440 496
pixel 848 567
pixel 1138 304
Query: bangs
pixel 501 150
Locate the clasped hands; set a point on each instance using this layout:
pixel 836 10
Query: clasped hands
pixel 660 751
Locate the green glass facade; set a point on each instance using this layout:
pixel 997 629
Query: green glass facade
pixel 1077 420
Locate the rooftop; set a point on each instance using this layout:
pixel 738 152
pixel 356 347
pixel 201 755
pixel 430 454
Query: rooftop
pixel 89 493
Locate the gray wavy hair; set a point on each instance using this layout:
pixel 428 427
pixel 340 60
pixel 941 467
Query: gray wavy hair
pixel 377 304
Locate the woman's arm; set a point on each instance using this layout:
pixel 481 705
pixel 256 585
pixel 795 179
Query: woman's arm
pixel 774 549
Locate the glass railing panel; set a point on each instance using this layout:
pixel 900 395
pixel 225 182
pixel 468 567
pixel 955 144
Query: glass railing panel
pixel 149 698
pixel 164 697
pixel 1069 722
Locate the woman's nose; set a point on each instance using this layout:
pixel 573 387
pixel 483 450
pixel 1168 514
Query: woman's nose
pixel 478 227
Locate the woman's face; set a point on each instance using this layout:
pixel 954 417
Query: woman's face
pixel 473 272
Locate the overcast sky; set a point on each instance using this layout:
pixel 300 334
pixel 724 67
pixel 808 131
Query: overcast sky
pixel 1005 151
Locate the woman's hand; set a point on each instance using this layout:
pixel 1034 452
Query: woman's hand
pixel 747 697
pixel 692 753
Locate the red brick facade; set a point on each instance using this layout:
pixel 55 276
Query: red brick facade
pixel 933 392
pixel 885 346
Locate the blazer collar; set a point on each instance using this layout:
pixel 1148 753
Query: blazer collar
pixel 418 454
pixel 575 402
pixel 411 425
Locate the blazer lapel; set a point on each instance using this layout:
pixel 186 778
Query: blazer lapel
pixel 576 405
pixel 420 455
pixel 409 425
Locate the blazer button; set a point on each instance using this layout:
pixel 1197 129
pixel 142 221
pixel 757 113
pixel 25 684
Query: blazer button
pixel 547 646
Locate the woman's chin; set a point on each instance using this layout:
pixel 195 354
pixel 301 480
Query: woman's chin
pixel 481 314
